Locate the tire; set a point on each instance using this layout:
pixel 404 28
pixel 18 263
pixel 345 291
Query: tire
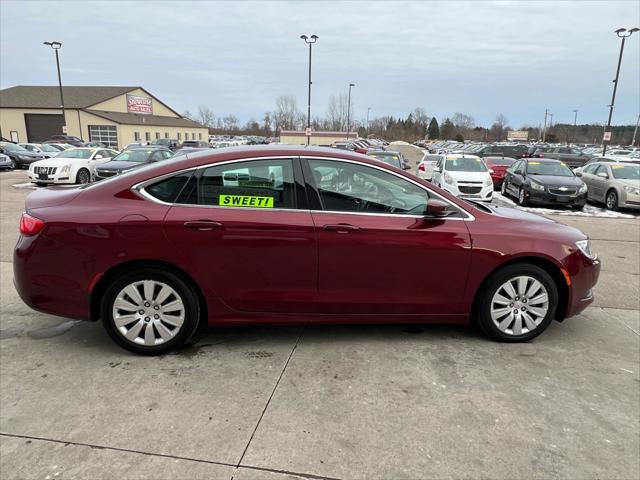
pixel 129 318
pixel 579 208
pixel 611 200
pixel 532 318
pixel 503 189
pixel 523 201
pixel 83 177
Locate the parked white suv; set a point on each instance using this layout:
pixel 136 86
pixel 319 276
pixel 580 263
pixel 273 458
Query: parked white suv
pixel 465 176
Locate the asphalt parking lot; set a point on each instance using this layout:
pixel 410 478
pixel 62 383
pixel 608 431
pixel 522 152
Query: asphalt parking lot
pixel 328 402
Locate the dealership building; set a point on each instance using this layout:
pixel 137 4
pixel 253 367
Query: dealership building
pixel 115 116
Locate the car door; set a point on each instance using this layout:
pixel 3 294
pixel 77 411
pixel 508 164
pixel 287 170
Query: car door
pixel 378 254
pixel 516 178
pixel 588 177
pixel 599 181
pixel 245 231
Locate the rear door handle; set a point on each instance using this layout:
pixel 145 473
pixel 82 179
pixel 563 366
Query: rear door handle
pixel 202 225
pixel 341 228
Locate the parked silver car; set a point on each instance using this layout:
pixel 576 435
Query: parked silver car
pixel 6 162
pixel 617 185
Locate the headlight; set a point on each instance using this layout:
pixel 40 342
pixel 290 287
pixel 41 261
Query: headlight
pixel 448 179
pixel 632 190
pixel 583 188
pixel 537 186
pixel 585 248
pixel 488 182
pixel 66 168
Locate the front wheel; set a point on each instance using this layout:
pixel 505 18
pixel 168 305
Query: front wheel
pixel 523 201
pixel 83 177
pixel 612 200
pixel 503 189
pixel 517 303
pixel 150 311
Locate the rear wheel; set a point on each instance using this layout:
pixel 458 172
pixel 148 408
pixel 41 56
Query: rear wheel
pixel 522 197
pixel 518 303
pixel 611 200
pixel 150 311
pixel 83 176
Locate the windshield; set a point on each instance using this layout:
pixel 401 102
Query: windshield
pixel 549 168
pixel 48 148
pixel 391 159
pixel 465 164
pixel 75 153
pixel 133 156
pixel 625 172
pixel 10 147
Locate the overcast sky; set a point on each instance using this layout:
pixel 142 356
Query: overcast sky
pixel 479 58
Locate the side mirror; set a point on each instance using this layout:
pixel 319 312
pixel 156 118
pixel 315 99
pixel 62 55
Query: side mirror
pixel 438 209
pixel 578 174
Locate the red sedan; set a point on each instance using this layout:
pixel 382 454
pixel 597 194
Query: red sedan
pixel 280 235
pixel 499 166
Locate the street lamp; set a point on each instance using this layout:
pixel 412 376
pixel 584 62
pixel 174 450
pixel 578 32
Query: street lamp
pixel 575 121
pixel 309 41
pixel 368 110
pixel 56 46
pixel 349 110
pixel 622 33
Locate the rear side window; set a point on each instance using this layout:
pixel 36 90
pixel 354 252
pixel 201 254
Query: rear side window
pixel 250 184
pixel 167 190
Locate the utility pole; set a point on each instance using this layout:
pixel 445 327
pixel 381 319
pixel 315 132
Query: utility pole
pixel 575 121
pixel 349 110
pixel 368 110
pixel 635 131
pixel 57 46
pixel 622 33
pixel 544 129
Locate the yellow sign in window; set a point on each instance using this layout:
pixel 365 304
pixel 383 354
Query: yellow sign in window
pixel 245 201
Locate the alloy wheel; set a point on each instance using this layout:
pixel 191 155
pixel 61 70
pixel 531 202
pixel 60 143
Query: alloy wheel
pixel 519 305
pixel 83 177
pixel 612 200
pixel 148 312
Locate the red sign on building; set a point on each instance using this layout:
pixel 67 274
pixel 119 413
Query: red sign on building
pixel 138 104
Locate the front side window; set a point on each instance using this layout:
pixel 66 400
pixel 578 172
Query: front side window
pixel 591 168
pixel 249 184
pixel 350 187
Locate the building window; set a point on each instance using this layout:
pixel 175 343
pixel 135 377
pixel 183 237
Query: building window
pixel 199 136
pixel 193 136
pixel 157 135
pixel 179 136
pixel 166 134
pixel 136 136
pixel 107 134
pixel 147 136
pixel 186 135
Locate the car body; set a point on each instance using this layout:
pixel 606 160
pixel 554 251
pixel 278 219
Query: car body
pixel 20 156
pixel 6 163
pixel 68 139
pixel 61 147
pixel 45 149
pixel 616 184
pixel 75 165
pixel 544 182
pixel 498 168
pixel 512 151
pixel 194 144
pixel 170 143
pixel 427 164
pixel 571 156
pixel 132 158
pixel 465 176
pixel 291 235
pixel 391 157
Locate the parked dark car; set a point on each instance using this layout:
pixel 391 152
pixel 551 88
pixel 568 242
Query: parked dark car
pixel 544 182
pixel 498 168
pixel 169 143
pixel 573 157
pixel 68 139
pixel 538 148
pixel 194 144
pixel 20 156
pixel 132 158
pixel 512 151
pixel 291 235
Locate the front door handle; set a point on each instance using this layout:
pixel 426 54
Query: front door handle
pixel 341 228
pixel 202 225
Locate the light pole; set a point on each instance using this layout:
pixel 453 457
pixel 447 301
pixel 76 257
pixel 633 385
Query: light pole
pixel 56 46
pixel 622 33
pixel 309 41
pixel 368 110
pixel 635 131
pixel 575 121
pixel 349 110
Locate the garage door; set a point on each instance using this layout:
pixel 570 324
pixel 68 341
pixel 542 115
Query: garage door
pixel 42 127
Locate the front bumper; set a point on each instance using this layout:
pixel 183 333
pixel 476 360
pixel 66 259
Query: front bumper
pixel 470 191
pixel 548 198
pixel 52 179
pixel 630 200
pixel 584 274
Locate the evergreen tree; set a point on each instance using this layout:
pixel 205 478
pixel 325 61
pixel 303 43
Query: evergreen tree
pixel 433 130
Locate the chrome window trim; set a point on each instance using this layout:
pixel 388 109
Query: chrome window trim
pixel 139 188
pixel 469 217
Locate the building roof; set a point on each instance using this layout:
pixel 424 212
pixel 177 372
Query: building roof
pixel 319 133
pixel 151 120
pixel 27 96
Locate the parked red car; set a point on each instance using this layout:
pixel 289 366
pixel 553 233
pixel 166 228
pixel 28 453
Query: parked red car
pixel 499 166
pixel 279 235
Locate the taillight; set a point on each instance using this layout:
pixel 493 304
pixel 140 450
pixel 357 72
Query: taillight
pixel 421 167
pixel 29 225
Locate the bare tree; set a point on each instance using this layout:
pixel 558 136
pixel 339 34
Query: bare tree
pixel 287 115
pixel 187 114
pixel 267 121
pixel 206 116
pixel 230 122
pixel 462 121
pixel 337 112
